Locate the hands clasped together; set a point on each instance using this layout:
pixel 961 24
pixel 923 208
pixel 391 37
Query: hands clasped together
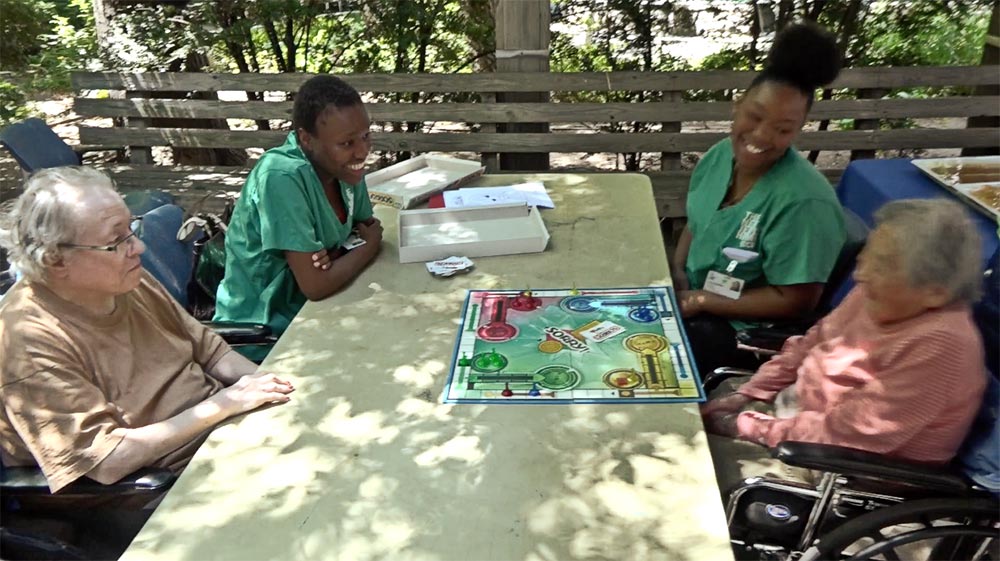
pixel 370 231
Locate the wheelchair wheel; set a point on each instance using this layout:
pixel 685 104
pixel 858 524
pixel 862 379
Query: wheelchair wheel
pixel 930 529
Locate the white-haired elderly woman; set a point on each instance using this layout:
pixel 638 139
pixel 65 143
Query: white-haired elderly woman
pixel 101 371
pixel 897 368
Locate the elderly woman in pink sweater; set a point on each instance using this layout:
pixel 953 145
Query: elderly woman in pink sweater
pixel 896 369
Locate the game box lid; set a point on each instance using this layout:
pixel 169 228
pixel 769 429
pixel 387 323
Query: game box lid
pixel 413 181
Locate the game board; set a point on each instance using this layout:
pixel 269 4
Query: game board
pixel 572 346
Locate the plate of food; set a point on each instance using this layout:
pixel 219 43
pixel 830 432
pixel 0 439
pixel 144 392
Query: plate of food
pixel 976 179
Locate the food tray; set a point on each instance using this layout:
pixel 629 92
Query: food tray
pixel 975 179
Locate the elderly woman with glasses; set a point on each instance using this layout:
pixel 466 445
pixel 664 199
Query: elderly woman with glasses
pixel 101 371
pixel 896 369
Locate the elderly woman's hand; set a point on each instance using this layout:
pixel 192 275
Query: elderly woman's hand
pixel 732 403
pixel 252 391
pixel 722 425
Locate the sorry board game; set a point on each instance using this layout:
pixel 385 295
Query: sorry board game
pixel 572 346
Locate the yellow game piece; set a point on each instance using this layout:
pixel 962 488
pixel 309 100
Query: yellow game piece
pixel 573 291
pixel 550 346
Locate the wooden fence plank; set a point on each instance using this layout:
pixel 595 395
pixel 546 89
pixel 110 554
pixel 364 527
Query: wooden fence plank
pixel 547 142
pixel 870 77
pixel 652 112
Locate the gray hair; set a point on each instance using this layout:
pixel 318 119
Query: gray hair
pixel 46 215
pixel 938 243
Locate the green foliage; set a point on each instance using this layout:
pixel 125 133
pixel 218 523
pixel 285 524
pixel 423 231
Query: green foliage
pixel 12 104
pixel 40 42
pixel 69 44
pixel 23 23
pixel 929 33
pixel 618 35
pixel 726 59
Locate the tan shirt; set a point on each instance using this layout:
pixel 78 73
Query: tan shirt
pixel 69 377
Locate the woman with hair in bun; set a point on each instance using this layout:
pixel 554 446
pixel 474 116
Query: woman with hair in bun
pixel 764 226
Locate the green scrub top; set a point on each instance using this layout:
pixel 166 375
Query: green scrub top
pixel 282 208
pixel 791 218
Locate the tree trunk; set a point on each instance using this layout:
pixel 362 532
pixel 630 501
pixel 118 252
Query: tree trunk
pixel 103 12
pixel 196 62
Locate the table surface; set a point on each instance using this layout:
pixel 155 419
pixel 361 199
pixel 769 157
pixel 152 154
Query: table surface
pixel 366 462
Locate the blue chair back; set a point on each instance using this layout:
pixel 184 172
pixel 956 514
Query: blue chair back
pixel 170 261
pixel 141 202
pixel 841 279
pixel 980 454
pixel 35 146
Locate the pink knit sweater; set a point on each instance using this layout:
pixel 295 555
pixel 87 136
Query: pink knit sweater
pixel 909 390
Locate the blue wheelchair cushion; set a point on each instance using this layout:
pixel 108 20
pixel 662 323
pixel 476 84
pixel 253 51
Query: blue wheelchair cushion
pixel 35 146
pixel 171 262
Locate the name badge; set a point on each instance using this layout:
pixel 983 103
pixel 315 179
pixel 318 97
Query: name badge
pixel 724 285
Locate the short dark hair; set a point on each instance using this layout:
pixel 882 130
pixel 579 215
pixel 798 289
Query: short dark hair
pixel 804 56
pixel 315 95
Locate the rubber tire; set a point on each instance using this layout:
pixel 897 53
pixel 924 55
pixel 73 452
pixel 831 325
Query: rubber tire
pixel 830 545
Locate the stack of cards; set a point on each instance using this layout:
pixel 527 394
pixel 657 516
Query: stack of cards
pixel 450 266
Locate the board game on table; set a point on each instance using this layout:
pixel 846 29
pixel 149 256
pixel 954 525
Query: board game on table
pixel 572 346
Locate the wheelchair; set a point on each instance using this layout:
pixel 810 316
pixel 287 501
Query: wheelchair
pixel 38 525
pixel 866 506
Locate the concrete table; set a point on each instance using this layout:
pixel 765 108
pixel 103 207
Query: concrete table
pixel 367 463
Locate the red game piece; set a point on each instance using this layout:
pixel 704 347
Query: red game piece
pixel 506 391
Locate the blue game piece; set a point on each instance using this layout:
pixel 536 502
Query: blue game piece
pixel 644 314
pixel 534 390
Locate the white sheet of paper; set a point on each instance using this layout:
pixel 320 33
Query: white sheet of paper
pixel 453 199
pixel 532 193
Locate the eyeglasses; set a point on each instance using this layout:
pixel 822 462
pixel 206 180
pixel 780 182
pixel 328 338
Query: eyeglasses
pixel 136 230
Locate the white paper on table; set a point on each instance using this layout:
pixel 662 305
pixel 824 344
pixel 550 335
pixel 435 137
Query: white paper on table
pixel 453 199
pixel 532 193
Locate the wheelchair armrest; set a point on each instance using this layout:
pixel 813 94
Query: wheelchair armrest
pixel 242 333
pixel 853 462
pixel 21 481
pixel 719 375
pixel 769 338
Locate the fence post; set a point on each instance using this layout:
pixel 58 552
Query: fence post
pixel 491 160
pixel 138 154
pixel 522 45
pixel 991 56
pixel 867 124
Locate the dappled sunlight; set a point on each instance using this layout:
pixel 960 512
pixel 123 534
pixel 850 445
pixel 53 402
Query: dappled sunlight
pixel 366 463
pixel 419 408
pixel 365 428
pixel 461 448
pixel 628 496
pixel 420 377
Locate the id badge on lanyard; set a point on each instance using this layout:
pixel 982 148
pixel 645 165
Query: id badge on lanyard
pixel 724 284
pixel 348 203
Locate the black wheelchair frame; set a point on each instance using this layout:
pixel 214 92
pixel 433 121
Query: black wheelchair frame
pixel 859 497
